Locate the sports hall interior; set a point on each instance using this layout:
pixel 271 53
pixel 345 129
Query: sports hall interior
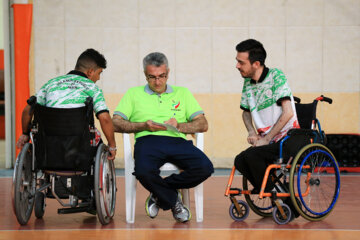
pixel 315 42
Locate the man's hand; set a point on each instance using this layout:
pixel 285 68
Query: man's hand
pixel 112 153
pixel 261 141
pixel 152 127
pixel 252 138
pixel 22 140
pixel 172 122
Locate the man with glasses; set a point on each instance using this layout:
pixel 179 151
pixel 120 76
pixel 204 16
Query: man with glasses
pixel 161 115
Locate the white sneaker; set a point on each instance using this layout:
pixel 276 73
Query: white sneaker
pixel 180 212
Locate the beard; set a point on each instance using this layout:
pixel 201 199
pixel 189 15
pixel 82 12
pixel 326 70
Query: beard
pixel 248 74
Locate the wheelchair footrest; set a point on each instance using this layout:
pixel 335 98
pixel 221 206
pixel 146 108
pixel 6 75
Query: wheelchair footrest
pixel 72 210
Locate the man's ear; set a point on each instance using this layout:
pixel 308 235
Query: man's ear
pixel 89 72
pixel 256 64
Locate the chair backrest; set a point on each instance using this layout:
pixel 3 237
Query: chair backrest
pixel 63 138
pixel 306 113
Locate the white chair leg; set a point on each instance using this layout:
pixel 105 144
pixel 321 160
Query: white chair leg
pixel 199 202
pixel 130 198
pixel 186 197
pixel 130 181
pixel 199 189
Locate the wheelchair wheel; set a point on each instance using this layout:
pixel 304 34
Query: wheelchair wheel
pixel 314 182
pixel 279 218
pixel 105 186
pixel 23 185
pixel 243 214
pixel 262 207
pixel 39 204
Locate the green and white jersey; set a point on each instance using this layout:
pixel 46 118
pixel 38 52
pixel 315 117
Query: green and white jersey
pixel 140 104
pixel 71 91
pixel 263 100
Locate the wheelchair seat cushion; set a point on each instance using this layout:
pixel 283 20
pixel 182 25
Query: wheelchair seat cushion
pixel 63 139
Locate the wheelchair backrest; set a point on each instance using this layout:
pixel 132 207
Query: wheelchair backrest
pixel 63 138
pixel 306 113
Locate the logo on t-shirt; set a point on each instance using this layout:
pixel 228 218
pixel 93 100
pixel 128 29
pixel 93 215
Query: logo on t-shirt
pixel 175 105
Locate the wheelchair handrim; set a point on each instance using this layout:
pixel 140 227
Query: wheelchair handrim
pixel 337 190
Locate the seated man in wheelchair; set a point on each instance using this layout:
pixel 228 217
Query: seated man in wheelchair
pixel 71 91
pixel 267 102
pixel 65 139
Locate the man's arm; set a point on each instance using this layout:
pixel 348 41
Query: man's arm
pixel 286 115
pixel 108 130
pixel 25 123
pixel 197 124
pixel 124 126
pixel 252 134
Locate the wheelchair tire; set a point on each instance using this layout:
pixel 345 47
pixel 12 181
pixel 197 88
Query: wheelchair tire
pixel 23 189
pixel 262 207
pixel 234 214
pixel 279 218
pixel 39 204
pixel 314 182
pixel 105 186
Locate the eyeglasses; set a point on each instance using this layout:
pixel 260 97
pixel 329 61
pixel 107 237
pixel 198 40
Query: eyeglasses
pixel 153 78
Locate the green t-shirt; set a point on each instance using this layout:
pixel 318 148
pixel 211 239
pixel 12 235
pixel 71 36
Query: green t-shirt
pixel 261 99
pixel 71 91
pixel 140 104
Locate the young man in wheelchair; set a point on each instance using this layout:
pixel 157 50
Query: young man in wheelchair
pixel 71 91
pixel 267 103
pixel 66 144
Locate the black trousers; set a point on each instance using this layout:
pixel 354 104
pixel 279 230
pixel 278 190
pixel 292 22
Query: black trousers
pixel 252 162
pixel 151 152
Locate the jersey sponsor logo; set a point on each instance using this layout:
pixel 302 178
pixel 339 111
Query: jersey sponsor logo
pixel 175 106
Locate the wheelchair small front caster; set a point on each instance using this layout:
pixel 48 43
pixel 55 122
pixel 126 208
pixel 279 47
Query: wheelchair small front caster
pixel 242 213
pixel 39 204
pixel 284 216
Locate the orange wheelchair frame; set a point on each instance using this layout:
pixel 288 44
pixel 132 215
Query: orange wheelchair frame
pixel 312 166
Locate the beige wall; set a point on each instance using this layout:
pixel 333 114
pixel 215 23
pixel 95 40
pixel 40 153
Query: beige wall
pixel 315 42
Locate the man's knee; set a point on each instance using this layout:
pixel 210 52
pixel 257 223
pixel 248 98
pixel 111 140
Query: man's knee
pixel 144 174
pixel 240 161
pixel 207 168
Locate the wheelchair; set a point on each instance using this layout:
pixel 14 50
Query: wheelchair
pixel 311 179
pixel 62 161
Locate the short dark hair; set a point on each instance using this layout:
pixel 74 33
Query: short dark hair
pixel 254 48
pixel 90 58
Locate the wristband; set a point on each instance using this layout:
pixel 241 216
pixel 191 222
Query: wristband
pixel 112 148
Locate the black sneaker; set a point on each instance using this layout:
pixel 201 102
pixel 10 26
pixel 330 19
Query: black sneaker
pixel 151 207
pixel 180 212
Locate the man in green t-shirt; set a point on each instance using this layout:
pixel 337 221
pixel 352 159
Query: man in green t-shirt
pixel 71 91
pixel 268 114
pixel 160 115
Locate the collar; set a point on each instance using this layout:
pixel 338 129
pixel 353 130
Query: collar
pixel 262 77
pixel 147 89
pixel 76 72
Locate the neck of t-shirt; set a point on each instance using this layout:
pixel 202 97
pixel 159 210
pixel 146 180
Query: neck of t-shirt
pixel 264 71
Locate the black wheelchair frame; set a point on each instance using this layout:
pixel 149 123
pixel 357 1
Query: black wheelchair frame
pixel 35 180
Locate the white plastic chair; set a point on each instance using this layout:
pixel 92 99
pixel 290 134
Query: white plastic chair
pixel 130 182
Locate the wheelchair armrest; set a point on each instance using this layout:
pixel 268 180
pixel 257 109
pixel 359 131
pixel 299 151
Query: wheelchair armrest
pixel 301 131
